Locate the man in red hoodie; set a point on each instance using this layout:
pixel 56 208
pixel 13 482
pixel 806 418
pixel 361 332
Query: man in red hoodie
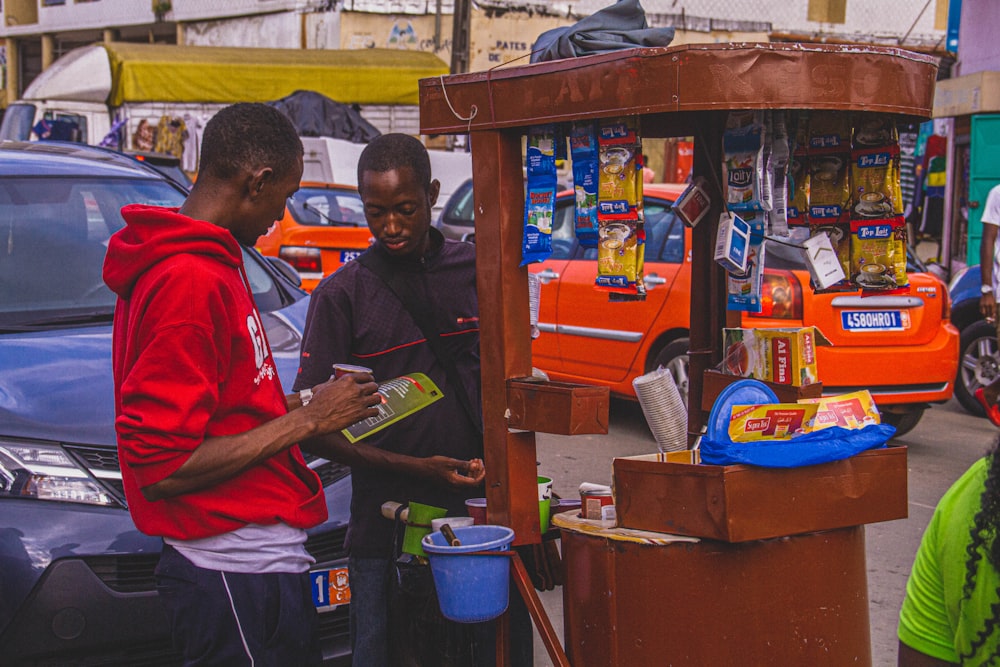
pixel 206 436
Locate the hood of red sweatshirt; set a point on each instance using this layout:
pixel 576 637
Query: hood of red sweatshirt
pixel 153 233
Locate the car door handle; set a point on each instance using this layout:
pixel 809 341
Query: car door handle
pixel 547 276
pixel 653 280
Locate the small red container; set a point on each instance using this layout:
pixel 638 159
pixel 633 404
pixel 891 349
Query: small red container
pixel 476 508
pixel 591 503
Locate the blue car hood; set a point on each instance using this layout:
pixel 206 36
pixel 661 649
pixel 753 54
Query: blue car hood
pixel 57 385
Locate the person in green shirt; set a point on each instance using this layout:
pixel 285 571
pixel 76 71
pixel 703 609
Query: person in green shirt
pixel 951 612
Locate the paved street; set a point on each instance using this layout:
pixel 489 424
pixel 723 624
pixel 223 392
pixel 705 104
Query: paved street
pixel 940 448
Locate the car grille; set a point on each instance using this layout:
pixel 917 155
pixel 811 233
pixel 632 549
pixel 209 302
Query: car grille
pixel 327 546
pixel 102 463
pixel 132 573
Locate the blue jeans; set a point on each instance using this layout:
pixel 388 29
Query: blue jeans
pixel 228 618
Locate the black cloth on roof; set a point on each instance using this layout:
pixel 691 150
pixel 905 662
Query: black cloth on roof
pixel 316 115
pixel 619 26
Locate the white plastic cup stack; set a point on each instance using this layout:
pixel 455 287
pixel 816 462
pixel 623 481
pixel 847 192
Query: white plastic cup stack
pixel 534 300
pixel 663 408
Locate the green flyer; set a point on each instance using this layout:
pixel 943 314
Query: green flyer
pixel 401 397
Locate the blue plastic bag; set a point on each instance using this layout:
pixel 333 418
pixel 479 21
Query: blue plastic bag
pixel 829 444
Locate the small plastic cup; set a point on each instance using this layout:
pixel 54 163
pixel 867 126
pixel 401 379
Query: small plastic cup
pixel 453 521
pixel 340 370
pixel 544 502
pixel 418 524
pixel 476 507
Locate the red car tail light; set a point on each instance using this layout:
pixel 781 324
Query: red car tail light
pixel 304 260
pixel 781 296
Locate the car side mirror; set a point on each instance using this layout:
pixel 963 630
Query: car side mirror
pixel 286 269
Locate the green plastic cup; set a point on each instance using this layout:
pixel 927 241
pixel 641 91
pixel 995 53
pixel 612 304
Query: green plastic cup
pixel 418 524
pixel 544 502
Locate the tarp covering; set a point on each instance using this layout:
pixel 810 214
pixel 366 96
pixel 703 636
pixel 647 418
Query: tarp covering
pixel 170 73
pixel 315 115
pixel 618 26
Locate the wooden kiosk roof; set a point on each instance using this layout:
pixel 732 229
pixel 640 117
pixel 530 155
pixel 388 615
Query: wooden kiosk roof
pixel 678 91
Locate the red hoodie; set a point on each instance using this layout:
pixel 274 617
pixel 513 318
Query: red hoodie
pixel 191 360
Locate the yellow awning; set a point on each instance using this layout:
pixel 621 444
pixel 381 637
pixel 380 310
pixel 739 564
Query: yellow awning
pixel 161 72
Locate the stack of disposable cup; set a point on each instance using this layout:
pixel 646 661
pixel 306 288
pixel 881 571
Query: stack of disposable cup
pixel 534 299
pixel 664 409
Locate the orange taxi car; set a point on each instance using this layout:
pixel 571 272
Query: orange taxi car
pixel 902 348
pixel 323 227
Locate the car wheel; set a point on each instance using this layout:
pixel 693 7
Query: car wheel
pixel 903 421
pixel 674 357
pixel 978 363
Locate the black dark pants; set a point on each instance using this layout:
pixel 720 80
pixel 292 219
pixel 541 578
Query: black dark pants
pixel 226 618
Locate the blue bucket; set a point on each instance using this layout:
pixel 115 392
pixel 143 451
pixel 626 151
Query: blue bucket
pixel 471 588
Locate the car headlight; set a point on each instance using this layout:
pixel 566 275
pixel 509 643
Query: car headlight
pixel 46 472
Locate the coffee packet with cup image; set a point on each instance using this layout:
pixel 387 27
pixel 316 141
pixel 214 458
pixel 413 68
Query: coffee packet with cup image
pixel 878 255
pixel 797 212
pixel 620 235
pixel 829 187
pixel 875 182
pixel 829 131
pixel 874 129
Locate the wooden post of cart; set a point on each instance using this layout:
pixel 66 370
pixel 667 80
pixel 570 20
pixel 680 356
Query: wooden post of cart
pixel 677 92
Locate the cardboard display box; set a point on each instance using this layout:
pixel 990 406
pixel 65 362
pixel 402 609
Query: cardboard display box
pixel 740 503
pixel 557 407
pixel 781 356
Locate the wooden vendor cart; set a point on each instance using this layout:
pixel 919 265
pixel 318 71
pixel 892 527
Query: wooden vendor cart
pixel 677 92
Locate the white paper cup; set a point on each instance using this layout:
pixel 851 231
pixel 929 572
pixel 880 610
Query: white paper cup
pixel 663 408
pixel 453 521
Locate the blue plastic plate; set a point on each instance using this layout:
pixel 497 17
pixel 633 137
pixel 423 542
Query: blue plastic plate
pixel 741 392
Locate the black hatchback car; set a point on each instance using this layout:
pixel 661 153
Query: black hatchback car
pixel 76 576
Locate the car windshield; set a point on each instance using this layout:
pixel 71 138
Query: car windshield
pixel 326 207
pixel 54 232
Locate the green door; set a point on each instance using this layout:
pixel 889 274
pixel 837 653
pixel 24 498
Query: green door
pixel 984 173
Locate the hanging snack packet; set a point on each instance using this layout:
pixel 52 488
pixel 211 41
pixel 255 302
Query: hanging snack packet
pixel 777 218
pixel 798 189
pixel 621 238
pixel 540 200
pixel 874 129
pixel 619 253
pixel 875 179
pixel 829 131
pixel 584 151
pixel 744 289
pixel 743 145
pixel 829 188
pixel 878 254
pixel 618 144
